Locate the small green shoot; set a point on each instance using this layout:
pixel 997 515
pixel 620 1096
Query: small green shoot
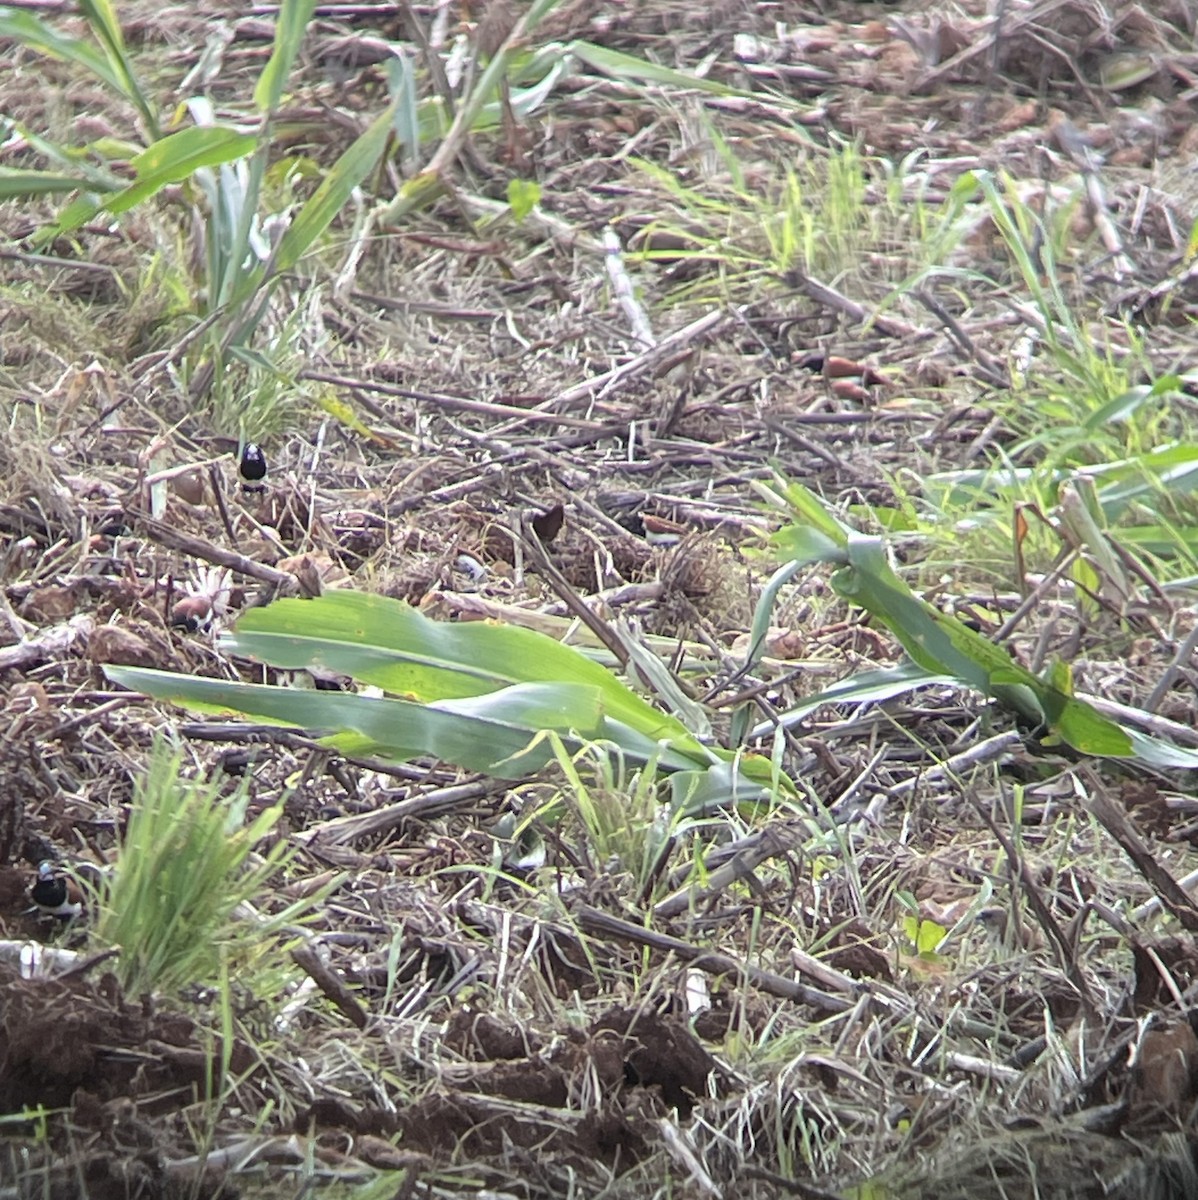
pixel 189 856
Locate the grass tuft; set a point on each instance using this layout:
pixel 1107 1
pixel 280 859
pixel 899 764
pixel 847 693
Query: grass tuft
pixel 187 861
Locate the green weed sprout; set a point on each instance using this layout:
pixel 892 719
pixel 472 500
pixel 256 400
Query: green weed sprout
pixel 186 862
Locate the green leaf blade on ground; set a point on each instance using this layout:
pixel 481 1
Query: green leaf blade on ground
pixel 387 644
pixel 499 734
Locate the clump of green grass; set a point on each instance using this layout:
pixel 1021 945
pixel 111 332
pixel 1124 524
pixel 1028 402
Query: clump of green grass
pixel 186 862
pixel 615 819
pixel 834 214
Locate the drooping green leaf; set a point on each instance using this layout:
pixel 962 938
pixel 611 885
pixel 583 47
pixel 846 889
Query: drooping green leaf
pixel 936 641
pixel 812 511
pixel 942 646
pixel 174 158
pixel 23 27
pixel 177 157
pixel 385 643
pixel 866 687
pixel 77 160
pixel 698 793
pixel 635 70
pixel 803 545
pixel 497 733
pixel 101 17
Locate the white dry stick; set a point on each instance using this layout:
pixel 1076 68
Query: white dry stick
pixel 359 239
pixel 970 1065
pixel 35 961
pixel 698 994
pixel 1151 907
pixel 1071 140
pixel 613 258
pixel 48 644
pixel 683 1153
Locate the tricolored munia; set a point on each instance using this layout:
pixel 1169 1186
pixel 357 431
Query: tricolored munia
pixel 56 895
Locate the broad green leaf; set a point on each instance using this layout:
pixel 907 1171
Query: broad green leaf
pixel 75 160
pixel 1089 586
pixel 170 160
pixel 943 646
pixel 759 631
pixel 632 69
pixel 1061 677
pixel 31 31
pixel 1164 755
pixel 698 793
pixel 80 210
pixel 936 641
pixel 930 935
pixel 893 520
pixel 924 935
pixel 401 83
pixel 177 157
pixel 1121 407
pixel 291 23
pixel 527 100
pixel 383 642
pixel 812 510
pixel 806 545
pixel 1127 69
pixel 1081 726
pixel 866 687
pixel 497 734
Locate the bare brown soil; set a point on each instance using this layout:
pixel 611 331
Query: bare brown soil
pixel 461 1033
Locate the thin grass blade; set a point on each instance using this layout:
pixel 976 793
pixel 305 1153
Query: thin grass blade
pixel 291 24
pixel 101 16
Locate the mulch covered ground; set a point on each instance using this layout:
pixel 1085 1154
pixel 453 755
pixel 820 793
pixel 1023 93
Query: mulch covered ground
pixel 764 1027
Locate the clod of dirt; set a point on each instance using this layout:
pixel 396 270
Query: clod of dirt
pixel 112 644
pixel 481 1036
pixel 589 1097
pixel 856 950
pixel 659 1052
pixel 1165 1072
pixel 60 1035
pixel 1155 960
